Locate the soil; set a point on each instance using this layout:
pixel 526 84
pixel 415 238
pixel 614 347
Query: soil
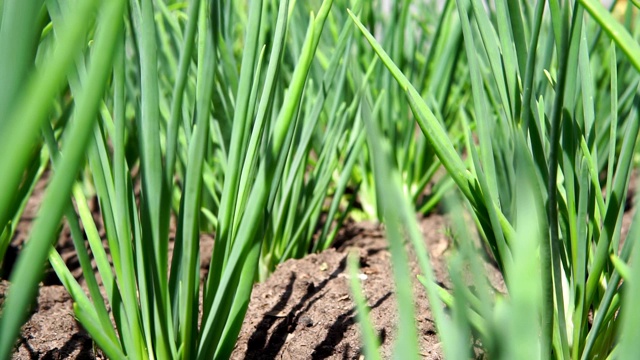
pixel 303 311
pixel 52 332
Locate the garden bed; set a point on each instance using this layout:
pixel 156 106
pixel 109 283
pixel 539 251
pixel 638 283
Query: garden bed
pixel 303 311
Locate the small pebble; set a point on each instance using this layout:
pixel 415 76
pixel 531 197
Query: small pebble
pixel 305 321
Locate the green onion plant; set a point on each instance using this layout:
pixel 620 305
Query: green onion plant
pixel 191 116
pixel 29 88
pixel 426 48
pixel 554 101
pixel 269 123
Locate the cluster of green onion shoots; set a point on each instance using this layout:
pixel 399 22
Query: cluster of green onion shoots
pixel 270 123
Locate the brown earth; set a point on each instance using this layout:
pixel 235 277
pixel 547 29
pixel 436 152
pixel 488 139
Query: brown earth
pixel 303 311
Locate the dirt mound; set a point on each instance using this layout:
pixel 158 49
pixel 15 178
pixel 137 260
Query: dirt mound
pixel 303 311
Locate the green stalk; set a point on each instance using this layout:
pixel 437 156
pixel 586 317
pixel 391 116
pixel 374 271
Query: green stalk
pixel 190 212
pixel 178 89
pixel 77 138
pixel 19 129
pixel 19 36
pixel 369 338
pixel 154 201
pixel 232 176
pixel 122 222
pixel 553 249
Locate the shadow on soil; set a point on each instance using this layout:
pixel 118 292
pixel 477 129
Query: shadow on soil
pixel 77 342
pixel 261 345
